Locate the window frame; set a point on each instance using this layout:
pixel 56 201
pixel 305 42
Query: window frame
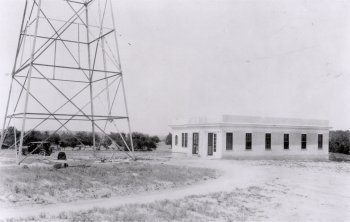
pixel 268 137
pixel 303 141
pixel 184 140
pixel 195 142
pixel 230 141
pixel 210 144
pixel 214 142
pixel 320 141
pixel 286 141
pixel 248 141
pixel 176 140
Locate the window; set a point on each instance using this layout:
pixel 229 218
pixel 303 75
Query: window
pixel 214 138
pixel 176 139
pixel 268 141
pixel 303 141
pixel 248 141
pixel 184 140
pixel 286 141
pixel 229 141
pixel 320 141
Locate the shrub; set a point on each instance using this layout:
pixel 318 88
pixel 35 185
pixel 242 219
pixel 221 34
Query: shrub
pixel 339 141
pixel 155 139
pixel 33 136
pixel 141 141
pixel 10 135
pixel 144 141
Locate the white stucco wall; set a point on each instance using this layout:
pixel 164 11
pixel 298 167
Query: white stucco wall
pixel 277 150
pixel 202 143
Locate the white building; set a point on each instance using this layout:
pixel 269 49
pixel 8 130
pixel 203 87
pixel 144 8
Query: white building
pixel 243 137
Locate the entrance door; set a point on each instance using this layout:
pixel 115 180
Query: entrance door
pixel 195 140
pixel 211 143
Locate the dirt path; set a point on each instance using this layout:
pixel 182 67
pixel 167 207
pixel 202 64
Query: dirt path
pixel 300 193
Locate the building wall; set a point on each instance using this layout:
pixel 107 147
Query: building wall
pixel 203 141
pixel 277 144
pixel 258 142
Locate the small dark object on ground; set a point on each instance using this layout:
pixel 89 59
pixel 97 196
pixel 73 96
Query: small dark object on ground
pixel 62 156
pixel 60 165
pixel 25 167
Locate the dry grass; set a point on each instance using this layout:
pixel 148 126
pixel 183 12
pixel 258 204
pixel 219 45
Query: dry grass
pixel 43 185
pixel 303 194
pixel 339 157
pixel 222 206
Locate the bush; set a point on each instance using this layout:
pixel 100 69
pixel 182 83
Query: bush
pixel 68 140
pixel 144 141
pixel 339 141
pixel 55 139
pixel 33 136
pixel 155 139
pixel 10 136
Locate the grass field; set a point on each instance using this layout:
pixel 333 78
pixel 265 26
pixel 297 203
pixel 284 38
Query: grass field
pixel 161 187
pixel 42 184
pixel 254 191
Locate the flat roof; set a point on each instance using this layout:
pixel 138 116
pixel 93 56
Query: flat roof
pixel 250 120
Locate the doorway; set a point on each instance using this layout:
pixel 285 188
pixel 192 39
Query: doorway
pixel 211 143
pixel 195 142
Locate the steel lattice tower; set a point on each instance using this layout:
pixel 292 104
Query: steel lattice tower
pixel 67 71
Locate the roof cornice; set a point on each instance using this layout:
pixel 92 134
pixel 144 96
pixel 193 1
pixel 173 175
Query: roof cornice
pixel 249 125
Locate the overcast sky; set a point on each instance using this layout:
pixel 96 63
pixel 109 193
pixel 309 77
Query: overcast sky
pixel 286 58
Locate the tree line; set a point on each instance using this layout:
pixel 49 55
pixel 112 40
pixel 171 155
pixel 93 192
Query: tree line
pixel 80 139
pixel 339 140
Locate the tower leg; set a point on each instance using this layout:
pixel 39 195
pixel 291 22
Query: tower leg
pixel 28 85
pixel 90 79
pixel 128 119
pixel 3 133
pixel 122 81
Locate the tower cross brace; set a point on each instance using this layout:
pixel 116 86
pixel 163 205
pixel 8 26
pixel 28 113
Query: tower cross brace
pixel 72 56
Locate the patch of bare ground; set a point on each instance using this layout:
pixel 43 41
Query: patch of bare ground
pixel 314 166
pixel 45 185
pixel 238 205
